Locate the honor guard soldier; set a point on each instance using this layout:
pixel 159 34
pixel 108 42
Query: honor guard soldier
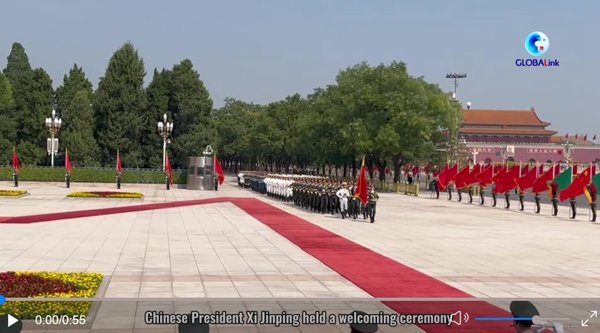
pixel 343 194
pixel 593 195
pixel 507 200
pixel 554 198
pixel 494 201
pixel 372 205
pixel 470 191
pixel 521 200
pixel 573 205
pixel 481 195
pixel 536 198
pixel 449 189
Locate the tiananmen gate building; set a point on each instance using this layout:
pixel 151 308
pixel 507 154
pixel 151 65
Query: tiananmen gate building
pixel 520 135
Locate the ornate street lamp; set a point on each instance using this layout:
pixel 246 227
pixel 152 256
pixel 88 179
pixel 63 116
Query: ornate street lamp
pixel 165 129
pixel 53 124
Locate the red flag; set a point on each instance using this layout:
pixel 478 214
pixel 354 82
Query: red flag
pixel 541 183
pixel 119 163
pixel 447 176
pixel 362 191
pixel 499 174
pixel 461 177
pixel 219 170
pixel 472 179
pixel 16 162
pixel 507 181
pixel 169 169
pixel 485 176
pixel 68 165
pixel 527 180
pixel 578 186
pixel 415 170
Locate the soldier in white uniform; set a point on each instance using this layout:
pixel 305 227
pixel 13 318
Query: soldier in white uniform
pixel 343 194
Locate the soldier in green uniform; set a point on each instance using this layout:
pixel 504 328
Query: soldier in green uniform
pixel 372 205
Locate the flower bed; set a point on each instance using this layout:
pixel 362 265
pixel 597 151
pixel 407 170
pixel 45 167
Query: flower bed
pixel 48 285
pixel 106 194
pixel 12 193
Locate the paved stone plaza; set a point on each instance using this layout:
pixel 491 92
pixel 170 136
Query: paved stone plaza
pixel 218 251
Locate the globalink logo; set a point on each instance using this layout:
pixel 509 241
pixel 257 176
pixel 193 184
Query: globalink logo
pixel 537 44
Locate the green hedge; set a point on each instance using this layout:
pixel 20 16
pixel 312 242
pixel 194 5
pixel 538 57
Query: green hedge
pixel 92 175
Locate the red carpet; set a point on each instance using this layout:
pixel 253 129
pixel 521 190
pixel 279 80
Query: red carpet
pixel 374 273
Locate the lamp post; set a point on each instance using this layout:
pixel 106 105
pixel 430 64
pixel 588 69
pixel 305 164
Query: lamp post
pixel 164 129
pixel 456 77
pixel 568 145
pixel 53 124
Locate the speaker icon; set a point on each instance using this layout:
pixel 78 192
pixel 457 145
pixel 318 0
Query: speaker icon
pixel 459 317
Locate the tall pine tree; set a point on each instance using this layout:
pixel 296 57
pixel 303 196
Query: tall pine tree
pixel 120 106
pixel 191 107
pixel 75 108
pixel 8 121
pixel 158 104
pixel 33 101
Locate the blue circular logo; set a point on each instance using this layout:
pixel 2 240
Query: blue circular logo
pixel 537 43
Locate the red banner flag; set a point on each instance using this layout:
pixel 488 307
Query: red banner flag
pixel 577 187
pixel 507 181
pixel 119 163
pixel 16 162
pixel 527 179
pixel 472 177
pixel 219 170
pixel 461 177
pixel 415 170
pixel 68 165
pixel 541 183
pixel 486 175
pixel 447 176
pixel 169 169
pixel 362 190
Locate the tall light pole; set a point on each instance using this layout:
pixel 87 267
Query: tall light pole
pixel 456 77
pixel 53 124
pixel 164 129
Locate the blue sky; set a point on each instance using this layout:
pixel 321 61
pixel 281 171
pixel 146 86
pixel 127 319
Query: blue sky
pixel 264 50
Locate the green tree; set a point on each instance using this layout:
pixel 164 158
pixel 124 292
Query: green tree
pixel 8 121
pixel 33 132
pixel 120 105
pixel 78 135
pixel 75 108
pixel 191 107
pixel 33 95
pixel 158 92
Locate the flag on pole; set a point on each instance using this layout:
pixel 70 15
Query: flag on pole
pixel 219 170
pixel 507 182
pixel 485 176
pixel 362 191
pixel 541 183
pixel 527 180
pixel 461 177
pixel 595 184
pixel 119 163
pixel 68 165
pixel 578 186
pixel 564 179
pixel 16 162
pixel 447 176
pixel 169 169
